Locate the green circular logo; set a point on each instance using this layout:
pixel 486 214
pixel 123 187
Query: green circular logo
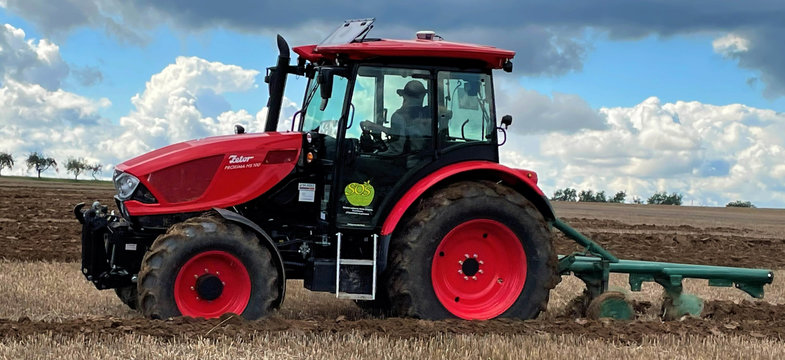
pixel 359 194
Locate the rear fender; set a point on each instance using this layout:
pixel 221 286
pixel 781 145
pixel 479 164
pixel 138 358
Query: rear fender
pixel 523 181
pixel 266 241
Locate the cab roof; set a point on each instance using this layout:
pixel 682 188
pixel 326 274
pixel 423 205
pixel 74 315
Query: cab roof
pixel 373 48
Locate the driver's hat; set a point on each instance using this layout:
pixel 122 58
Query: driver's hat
pixel 413 88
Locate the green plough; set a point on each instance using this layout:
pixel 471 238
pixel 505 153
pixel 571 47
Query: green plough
pixel 594 266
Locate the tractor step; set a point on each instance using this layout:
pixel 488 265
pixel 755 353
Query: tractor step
pixel 354 262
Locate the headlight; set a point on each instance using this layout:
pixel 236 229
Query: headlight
pixel 125 184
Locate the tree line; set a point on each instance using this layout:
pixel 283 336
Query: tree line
pixel 39 163
pixel 658 198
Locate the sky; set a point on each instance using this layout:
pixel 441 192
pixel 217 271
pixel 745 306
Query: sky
pixel 608 95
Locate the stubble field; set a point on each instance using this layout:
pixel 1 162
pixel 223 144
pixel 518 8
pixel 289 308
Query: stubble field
pixel 47 309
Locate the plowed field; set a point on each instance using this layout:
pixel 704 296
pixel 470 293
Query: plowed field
pixel 38 231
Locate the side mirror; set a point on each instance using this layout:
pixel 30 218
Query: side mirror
pixel 507 66
pixel 506 120
pixel 326 87
pixel 326 82
pixel 239 129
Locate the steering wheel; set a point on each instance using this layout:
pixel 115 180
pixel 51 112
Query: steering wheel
pixel 371 138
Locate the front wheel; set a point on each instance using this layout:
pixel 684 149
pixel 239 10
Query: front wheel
pixel 474 250
pixel 206 267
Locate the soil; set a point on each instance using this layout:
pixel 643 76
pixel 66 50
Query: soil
pixel 720 318
pixel 37 220
pixel 37 223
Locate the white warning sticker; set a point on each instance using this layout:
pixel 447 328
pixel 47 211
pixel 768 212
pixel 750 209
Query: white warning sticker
pixel 307 192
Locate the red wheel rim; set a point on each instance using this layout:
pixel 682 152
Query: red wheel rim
pixel 479 269
pixel 234 279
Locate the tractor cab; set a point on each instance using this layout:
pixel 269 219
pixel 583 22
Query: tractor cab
pixel 379 115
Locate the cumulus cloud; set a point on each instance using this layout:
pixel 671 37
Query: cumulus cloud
pixel 57 123
pixel 167 110
pixel 30 61
pixel 37 115
pixel 712 154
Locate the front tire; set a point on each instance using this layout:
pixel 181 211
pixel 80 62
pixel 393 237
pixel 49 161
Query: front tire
pixel 206 267
pixel 474 250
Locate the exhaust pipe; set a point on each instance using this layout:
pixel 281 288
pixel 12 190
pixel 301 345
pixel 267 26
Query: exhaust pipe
pixel 276 80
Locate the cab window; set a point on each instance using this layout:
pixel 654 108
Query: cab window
pixel 465 103
pixel 324 121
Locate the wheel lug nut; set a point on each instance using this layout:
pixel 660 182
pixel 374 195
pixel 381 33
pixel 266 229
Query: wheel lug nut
pixel 474 256
pixel 205 270
pixel 217 273
pixel 223 283
pixel 196 276
pixel 460 271
pixel 480 271
pixel 460 262
pixel 480 262
pixel 500 280
pixel 474 277
pixel 466 255
pixel 192 288
pixel 466 278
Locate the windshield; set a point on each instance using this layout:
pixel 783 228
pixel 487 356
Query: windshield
pixel 324 121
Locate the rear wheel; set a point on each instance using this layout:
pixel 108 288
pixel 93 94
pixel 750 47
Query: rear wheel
pixel 474 250
pixel 205 267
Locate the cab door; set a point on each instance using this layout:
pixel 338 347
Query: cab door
pixel 388 134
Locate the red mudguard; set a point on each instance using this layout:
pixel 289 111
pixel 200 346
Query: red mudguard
pixel 524 181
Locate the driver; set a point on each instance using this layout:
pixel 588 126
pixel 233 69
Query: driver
pixel 409 125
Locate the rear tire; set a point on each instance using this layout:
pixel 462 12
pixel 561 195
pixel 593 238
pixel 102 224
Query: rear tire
pixel 474 250
pixel 206 267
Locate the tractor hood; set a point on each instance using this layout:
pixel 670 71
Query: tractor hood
pixel 201 174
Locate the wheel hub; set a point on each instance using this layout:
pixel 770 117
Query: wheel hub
pixel 470 267
pixel 209 287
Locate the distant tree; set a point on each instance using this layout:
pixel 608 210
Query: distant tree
pixel 590 196
pixel 739 203
pixel 566 194
pixel 586 196
pixel 662 198
pixel 76 166
pixel 618 198
pixel 95 170
pixel 40 163
pixel 6 161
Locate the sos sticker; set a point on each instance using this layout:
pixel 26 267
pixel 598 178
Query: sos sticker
pixel 359 194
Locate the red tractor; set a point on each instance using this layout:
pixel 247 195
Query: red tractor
pixel 388 190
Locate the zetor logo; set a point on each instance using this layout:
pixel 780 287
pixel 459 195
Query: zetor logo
pixel 238 159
